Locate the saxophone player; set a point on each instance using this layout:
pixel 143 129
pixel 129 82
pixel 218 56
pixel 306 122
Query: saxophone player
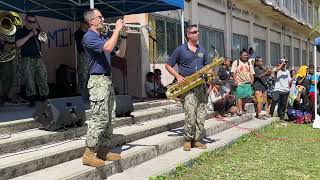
pixel 191 57
pixel 34 68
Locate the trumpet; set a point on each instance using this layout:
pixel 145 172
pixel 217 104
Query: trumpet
pixel 127 28
pixel 43 37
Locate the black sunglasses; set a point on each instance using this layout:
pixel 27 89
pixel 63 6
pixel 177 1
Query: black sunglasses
pixel 31 22
pixel 194 32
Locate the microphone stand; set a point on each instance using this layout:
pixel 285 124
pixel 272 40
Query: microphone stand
pixel 35 36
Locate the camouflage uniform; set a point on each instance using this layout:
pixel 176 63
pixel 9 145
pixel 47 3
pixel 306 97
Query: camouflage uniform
pixel 35 73
pixel 19 78
pixel 7 55
pixel 195 107
pixel 103 105
pixel 6 78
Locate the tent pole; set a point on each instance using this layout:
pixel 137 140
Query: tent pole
pixel 182 26
pixel 91 4
pixel 75 49
pixel 315 75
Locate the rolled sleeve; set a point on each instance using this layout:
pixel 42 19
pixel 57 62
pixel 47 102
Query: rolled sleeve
pixel 251 69
pixel 234 67
pixel 94 42
pixel 172 61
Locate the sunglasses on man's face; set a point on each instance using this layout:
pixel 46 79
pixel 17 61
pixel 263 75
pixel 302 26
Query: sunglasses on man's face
pixel 31 22
pixel 194 32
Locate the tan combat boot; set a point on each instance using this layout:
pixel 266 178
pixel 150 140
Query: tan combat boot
pixel 187 146
pixel 199 145
pixel 90 159
pixel 107 156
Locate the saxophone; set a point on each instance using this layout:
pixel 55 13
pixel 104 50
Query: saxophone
pixel 200 77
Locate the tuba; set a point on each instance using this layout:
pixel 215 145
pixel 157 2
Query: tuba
pixel 200 77
pixel 8 22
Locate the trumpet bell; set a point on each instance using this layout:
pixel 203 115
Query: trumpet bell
pixel 43 37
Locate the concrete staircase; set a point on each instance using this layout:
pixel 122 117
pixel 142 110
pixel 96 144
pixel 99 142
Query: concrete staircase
pixel 151 135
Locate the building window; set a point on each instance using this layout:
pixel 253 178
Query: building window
pixel 304 10
pixel 210 39
pixel 296 7
pixel 260 48
pixel 287 53
pixel 274 53
pixel 296 57
pixel 316 15
pixel 287 4
pixel 167 33
pixel 304 57
pixel 239 42
pixel 310 15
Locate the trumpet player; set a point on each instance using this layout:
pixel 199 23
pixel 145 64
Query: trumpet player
pixel 34 68
pixel 191 57
pixel 97 48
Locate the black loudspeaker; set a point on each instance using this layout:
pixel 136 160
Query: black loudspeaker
pixel 55 114
pixel 124 105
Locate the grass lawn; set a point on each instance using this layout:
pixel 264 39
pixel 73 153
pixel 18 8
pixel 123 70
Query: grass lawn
pixel 269 157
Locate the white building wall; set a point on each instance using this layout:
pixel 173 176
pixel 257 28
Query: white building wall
pixel 216 15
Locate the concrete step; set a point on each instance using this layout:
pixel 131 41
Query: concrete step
pixel 35 137
pixel 22 120
pixel 19 163
pixel 14 107
pixel 167 163
pixel 133 154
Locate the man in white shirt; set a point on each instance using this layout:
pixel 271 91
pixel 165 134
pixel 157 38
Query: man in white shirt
pixel 281 89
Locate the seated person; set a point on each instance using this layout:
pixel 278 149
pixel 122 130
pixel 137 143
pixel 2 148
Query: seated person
pixel 151 87
pixel 297 109
pixel 157 79
pixel 220 101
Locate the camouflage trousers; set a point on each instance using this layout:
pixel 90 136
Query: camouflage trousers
pixel 6 77
pixel 82 71
pixel 103 105
pixel 35 73
pixel 195 107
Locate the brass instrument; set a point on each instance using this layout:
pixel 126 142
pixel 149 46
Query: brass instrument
pixel 127 28
pixel 43 37
pixel 200 77
pixel 8 22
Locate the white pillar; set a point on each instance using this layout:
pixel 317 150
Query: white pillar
pixel 315 74
pixel 91 4
pixel 182 26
